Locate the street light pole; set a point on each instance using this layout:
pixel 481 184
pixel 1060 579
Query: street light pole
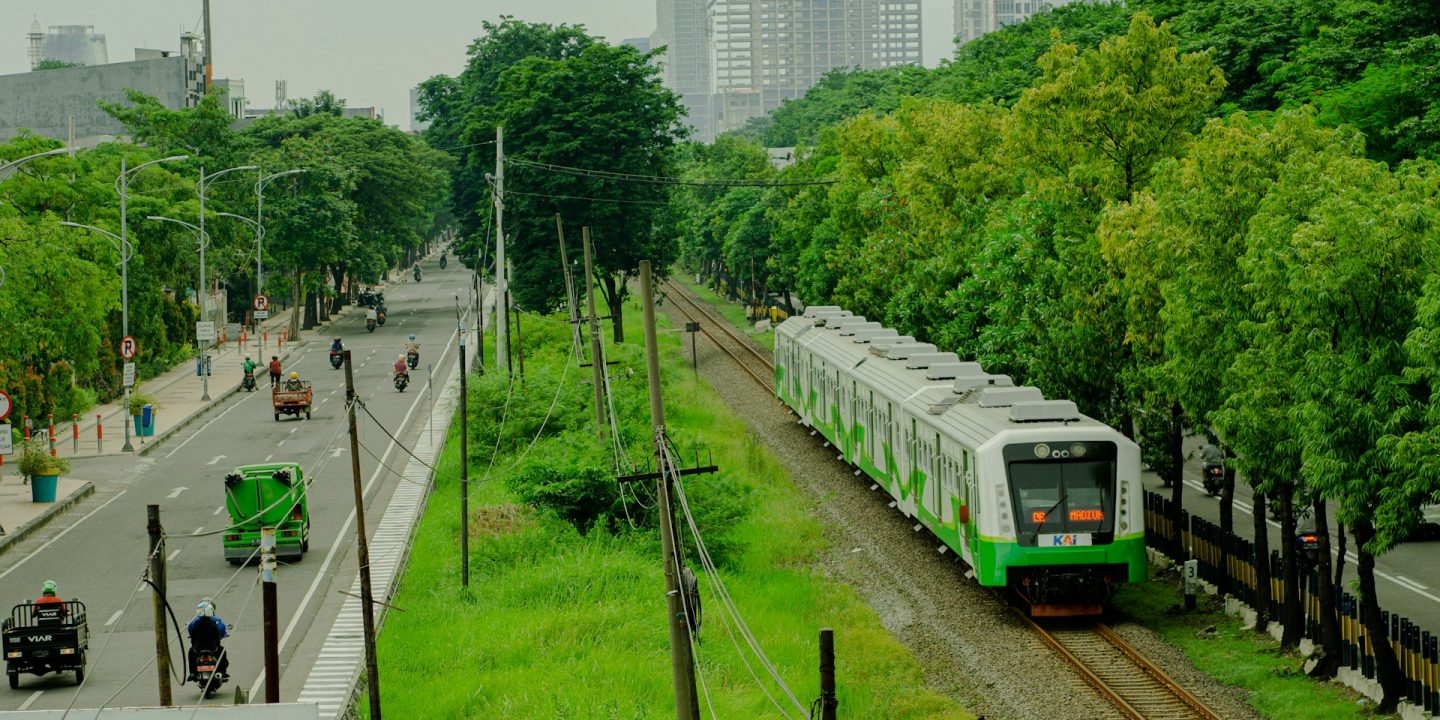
pixel 202 292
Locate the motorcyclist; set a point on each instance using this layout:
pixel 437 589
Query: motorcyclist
pixel 206 631
pixel 416 270
pixel 248 366
pixel 49 596
pixel 337 346
pixel 370 314
pixel 443 261
pixel 412 345
pixel 275 369
pixel 294 382
pixel 401 368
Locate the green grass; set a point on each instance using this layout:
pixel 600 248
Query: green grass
pixel 557 623
pixel 735 314
pixel 1243 658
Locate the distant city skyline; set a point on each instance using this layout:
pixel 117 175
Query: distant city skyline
pixel 369 54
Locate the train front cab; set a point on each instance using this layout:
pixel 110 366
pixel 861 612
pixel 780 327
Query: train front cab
pixel 1077 532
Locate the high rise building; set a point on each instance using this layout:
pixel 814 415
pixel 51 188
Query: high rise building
pixel 974 18
pixel 733 60
pixel 74 44
pixel 683 28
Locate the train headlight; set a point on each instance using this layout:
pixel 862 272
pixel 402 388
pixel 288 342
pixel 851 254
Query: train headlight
pixel 1078 450
pixel 1042 450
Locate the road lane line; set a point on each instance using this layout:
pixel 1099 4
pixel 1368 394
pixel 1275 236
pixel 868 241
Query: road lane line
pixel 114 617
pixel 267 458
pixel 30 700
pixel 218 510
pixel 343 533
pixel 280 444
pixel 59 535
pixel 208 424
pixel 172 555
pixel 198 530
pixel 292 430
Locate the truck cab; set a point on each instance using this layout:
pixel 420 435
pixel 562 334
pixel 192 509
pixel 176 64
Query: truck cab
pixel 267 495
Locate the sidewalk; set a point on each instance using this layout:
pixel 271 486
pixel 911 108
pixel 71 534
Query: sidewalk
pixel 177 391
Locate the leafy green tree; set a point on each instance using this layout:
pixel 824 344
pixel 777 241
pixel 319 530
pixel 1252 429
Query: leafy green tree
pixel 587 134
pixel 53 64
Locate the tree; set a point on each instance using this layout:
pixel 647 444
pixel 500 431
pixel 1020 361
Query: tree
pixel 53 64
pixel 587 137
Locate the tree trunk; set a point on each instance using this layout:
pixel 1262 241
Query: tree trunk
pixel 1387 669
pixel 1329 609
pixel 311 316
pixel 1340 559
pixel 1177 499
pixel 1262 565
pixel 616 303
pixel 299 302
pixel 338 273
pixel 1293 617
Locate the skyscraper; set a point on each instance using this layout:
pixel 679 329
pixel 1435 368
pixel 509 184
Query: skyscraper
pixel 764 52
pixel 974 18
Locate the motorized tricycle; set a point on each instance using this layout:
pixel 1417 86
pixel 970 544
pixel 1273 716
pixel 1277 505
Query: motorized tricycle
pixel 45 638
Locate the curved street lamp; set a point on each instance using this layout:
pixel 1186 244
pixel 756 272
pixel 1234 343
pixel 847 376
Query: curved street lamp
pixel 203 240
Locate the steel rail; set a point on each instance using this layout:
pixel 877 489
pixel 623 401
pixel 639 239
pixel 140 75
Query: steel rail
pixel 1146 693
pixel 681 293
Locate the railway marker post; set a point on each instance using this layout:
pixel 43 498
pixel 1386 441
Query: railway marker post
pixel 1192 571
pixel 692 328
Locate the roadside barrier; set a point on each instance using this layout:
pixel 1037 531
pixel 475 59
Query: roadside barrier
pixel 1416 650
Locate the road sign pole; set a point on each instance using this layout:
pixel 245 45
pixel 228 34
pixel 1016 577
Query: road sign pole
pixel 272 623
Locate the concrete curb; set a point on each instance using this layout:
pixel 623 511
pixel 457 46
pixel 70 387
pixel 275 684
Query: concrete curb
pixel 14 536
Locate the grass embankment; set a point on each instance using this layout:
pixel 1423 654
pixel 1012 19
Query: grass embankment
pixel 733 313
pixel 1243 658
pixel 565 613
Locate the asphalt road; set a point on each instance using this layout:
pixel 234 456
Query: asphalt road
pixel 97 552
pixel 1407 577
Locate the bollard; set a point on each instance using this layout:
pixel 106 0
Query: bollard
pixel 1192 568
pixel 25 419
pixel 75 433
pixel 50 418
pixel 99 435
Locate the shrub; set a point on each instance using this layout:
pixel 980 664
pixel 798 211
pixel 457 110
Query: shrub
pixel 35 460
pixel 139 400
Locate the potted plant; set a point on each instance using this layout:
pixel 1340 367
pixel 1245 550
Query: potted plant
pixel 144 427
pixel 44 471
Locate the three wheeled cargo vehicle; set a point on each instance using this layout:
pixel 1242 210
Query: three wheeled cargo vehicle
pixel 292 402
pixel 45 638
pixel 266 495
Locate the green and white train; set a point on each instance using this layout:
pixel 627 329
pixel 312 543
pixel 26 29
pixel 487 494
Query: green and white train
pixel 1031 494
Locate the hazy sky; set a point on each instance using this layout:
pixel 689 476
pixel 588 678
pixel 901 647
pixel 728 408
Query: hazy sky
pixel 368 51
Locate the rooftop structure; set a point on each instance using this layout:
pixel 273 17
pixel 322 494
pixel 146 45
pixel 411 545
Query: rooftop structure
pixel 74 44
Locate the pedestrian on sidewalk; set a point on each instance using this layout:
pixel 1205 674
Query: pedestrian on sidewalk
pixel 274 370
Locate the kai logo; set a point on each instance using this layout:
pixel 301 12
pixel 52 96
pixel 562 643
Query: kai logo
pixel 1065 540
pixel 1062 540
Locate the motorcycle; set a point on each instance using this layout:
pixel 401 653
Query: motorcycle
pixel 336 359
pixel 367 298
pixel 417 274
pixel 1214 477
pixel 442 262
pixel 248 383
pixel 204 671
pixel 380 316
pixel 1307 541
pixel 370 324
pixel 412 359
pixel 401 380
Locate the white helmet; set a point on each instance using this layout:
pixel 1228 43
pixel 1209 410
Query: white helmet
pixel 206 608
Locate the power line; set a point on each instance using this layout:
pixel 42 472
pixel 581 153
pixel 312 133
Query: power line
pixel 665 179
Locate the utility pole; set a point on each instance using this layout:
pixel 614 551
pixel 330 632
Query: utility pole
pixel 272 615
pixel 362 548
pixel 687 705
pixel 519 345
pixel 209 52
pixel 464 468
pixel 596 363
pixel 157 579
pixel 569 292
pixel 828 702
pixel 502 289
pixel 200 294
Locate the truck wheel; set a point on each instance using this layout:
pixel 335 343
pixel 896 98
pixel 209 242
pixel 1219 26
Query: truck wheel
pixel 277 417
pixel 80 674
pixel 307 414
pixel 14 680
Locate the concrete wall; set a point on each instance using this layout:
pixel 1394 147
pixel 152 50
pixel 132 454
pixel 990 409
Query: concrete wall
pixel 44 101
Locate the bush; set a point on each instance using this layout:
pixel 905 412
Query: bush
pixel 35 460
pixel 138 401
pixel 570 477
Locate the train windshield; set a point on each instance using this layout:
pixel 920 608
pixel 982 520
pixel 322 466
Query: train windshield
pixel 1059 496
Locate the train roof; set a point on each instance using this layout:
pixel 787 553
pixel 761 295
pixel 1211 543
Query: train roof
pixel 955 398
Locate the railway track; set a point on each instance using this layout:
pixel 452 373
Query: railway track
pixel 754 362
pixel 1133 684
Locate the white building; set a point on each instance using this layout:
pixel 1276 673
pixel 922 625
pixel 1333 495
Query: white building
pixel 74 44
pixel 974 18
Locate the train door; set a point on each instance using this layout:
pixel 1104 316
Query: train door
pixel 935 475
pixel 842 412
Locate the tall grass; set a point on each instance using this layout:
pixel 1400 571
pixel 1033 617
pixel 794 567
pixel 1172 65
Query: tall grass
pixel 568 621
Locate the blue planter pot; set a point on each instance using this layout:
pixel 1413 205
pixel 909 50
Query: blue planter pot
pixel 42 487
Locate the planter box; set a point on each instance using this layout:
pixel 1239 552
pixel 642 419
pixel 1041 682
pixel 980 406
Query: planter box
pixel 42 487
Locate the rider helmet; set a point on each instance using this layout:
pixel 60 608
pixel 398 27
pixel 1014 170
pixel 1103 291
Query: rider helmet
pixel 294 375
pixel 206 608
pixel 274 357
pixel 412 337
pixel 48 588
pixel 399 357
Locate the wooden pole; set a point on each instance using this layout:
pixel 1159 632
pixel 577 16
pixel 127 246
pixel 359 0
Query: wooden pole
pixel 687 704
pixel 828 702
pixel 464 469
pixel 272 614
pixel 502 339
pixel 570 297
pixel 157 577
pixel 596 363
pixel 362 548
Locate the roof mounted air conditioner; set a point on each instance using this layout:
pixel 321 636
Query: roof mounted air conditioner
pixel 997 397
pixel 883 346
pixel 946 371
pixel 921 361
pixel 870 335
pixel 1044 411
